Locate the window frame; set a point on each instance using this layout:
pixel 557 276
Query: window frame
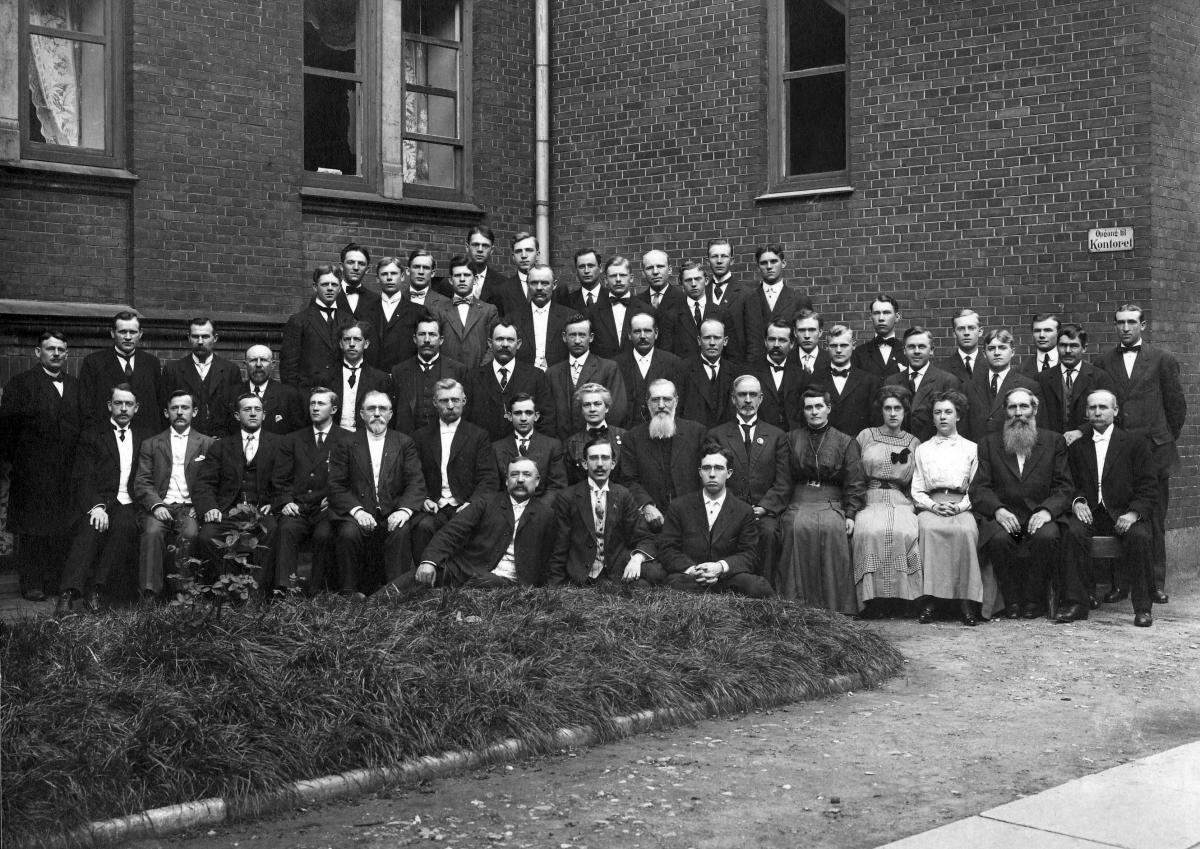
pixel 779 181
pixel 113 41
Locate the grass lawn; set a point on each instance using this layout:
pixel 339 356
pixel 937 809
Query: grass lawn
pixel 107 715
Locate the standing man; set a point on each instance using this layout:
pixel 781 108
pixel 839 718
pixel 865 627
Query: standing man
pixel 283 411
pixel 1153 405
pixel 511 292
pixel 723 289
pixel 210 380
pixel 524 441
pixel 352 379
pixel 708 378
pixel 540 322
pixel 393 317
pixel 1064 389
pixel 659 294
pixel 780 379
pixel 923 379
pixel 490 387
pixel 685 318
pixel 589 271
pixel 420 292
pixel 355 298
pixel 985 396
pixel 480 243
pixel 967 362
pixel 310 337
pixel 123 363
pixel 413 380
pixel 810 356
pixel 466 320
pixel 772 299
pixel 1044 329
pixel 610 319
pixel 645 363
pixel 594 402
pixel 582 366
pixel 375 487
pixel 850 389
pixel 882 356
pixel 167 470
pixel 106 534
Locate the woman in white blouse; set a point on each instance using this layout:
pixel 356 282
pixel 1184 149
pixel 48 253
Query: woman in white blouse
pixel 947 532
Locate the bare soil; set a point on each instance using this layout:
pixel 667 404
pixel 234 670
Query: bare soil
pixel 979 717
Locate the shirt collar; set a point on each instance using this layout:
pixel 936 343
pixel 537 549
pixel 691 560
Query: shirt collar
pixel 177 435
pixel 643 358
pixel 509 367
pixel 743 423
pixel 1097 436
pixel 539 310
pixel 347 365
pixel 128 357
pixel 448 428
pixel 720 502
pixel 328 428
pixel 392 299
pixel 204 364
pixel 580 361
pixel 593 488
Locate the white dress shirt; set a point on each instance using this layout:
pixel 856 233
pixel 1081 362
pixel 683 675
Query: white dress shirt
pixel 577 367
pixel 772 293
pixel 417 296
pixel 600 518
pixel 125 450
pixel 347 418
pixel 507 567
pixel 390 302
pixel 644 363
pixel 202 367
pixel 446 432
pixel 712 506
pixel 177 488
pixel 375 446
pixel 1101 441
pixel 541 324
pixel 1129 357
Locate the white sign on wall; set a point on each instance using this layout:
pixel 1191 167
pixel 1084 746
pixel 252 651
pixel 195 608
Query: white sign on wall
pixel 1110 239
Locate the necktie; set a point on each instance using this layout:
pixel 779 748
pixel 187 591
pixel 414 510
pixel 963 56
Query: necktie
pixel 353 376
pixel 589 300
pixel 1069 376
pixel 57 378
pixel 696 314
pixel 523 447
pixel 425 367
pixel 995 384
pixel 128 369
pixel 258 390
pixel 249 447
pixel 320 438
pixel 576 368
pixel 121 434
pixel 1046 361
pixel 747 430
pixel 503 378
pixel 329 312
pixel 655 299
pixel 967 361
pixel 717 290
pixel 912 381
pixel 807 361
pixel 1068 385
pixel 712 370
pixel 840 372
pixel 776 368
pixel 598 506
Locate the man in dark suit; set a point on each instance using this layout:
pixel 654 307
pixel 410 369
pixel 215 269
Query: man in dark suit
pixel 419 291
pixel 883 355
pixel 780 379
pixel 456 462
pixel 124 363
pixel 923 379
pixel 490 387
pixel 283 408
pixel 540 322
pixel 709 540
pixel 355 298
pixel 582 366
pixel 644 363
pixel 413 380
pixel 466 320
pixel 594 403
pixel 505 539
pixel 770 300
pixel 610 319
pixel 237 470
pixel 1152 404
pixel 207 377
pixel 589 272
pixel 601 534
pixel 985 395
pixel 682 321
pixel 168 467
pixel 524 441
pixel 301 482
pixel 310 337
pixel 1044 329
pixel 375 487
pixel 106 530
pixel 708 378
pixel 509 292
pixel 658 293
pixel 809 354
pixel 481 241
pixel 39 429
pixel 967 362
pixel 1021 488
pixel 851 390
pixel 1115 489
pixel 351 377
pixel 759 471
pixel 659 458
pixel 1064 388
pixel 723 289
pixel 393 318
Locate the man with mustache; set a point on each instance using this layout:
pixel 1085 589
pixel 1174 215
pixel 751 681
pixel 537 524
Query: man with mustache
pixel 283 408
pixel 1022 486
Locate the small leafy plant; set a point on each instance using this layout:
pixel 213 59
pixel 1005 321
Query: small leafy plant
pixel 233 581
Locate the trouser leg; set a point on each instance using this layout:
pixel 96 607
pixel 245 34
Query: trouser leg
pixel 78 574
pixel 1002 551
pixel 348 549
pixel 1044 549
pixel 1137 548
pixel 290 535
pixel 1076 562
pixel 397 550
pixel 112 567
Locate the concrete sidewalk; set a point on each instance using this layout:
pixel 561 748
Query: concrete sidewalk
pixel 1152 803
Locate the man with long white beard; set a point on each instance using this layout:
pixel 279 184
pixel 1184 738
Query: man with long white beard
pixel 1022 486
pixel 661 456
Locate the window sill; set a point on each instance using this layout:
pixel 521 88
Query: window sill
pixel 805 193
pixel 63 176
pixel 325 201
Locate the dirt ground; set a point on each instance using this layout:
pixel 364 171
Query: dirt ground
pixel 980 716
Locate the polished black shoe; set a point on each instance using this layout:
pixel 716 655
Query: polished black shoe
pixel 1031 611
pixel 1143 619
pixel 1159 597
pixel 1012 611
pixel 1093 603
pixel 92 602
pixel 968 618
pixel 1074 613
pixel 62 606
pixel 926 615
pixel 1116 594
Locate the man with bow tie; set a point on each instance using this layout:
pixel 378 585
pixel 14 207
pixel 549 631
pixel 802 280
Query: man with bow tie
pixel 1146 378
pixel 283 409
pixel 851 389
pixel 310 337
pixel 781 380
pixel 610 319
pixel 352 378
pixel 125 363
pixel 355 299
pixel 967 362
pixel 923 379
pixel 106 530
pixel 525 441
pixel 882 355
pixel 413 380
pixel 809 327
pixel 466 319
pixel 583 366
pixel 420 292
pixel 594 402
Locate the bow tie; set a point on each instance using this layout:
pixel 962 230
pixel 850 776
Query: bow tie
pixel 328 311
pixel 1131 349
pixel 601 431
pixel 622 301
pixel 839 372
pixel 56 378
pixel 900 456
pixel 458 300
pixel 776 368
pixel 889 341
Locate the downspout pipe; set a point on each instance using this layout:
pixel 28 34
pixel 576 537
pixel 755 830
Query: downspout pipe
pixel 541 200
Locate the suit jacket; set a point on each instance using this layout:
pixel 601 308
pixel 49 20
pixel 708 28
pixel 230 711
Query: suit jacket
pixel 761 476
pixel 671 298
pixel 370 379
pixel 471 544
pixel 754 314
pixel 504 292
pixel 486 404
pixel 219 484
pixel 663 364
pixel 392 341
pixel 97 472
pixel 574 300
pixel 781 407
pixel 920 420
pixel 213 417
pixel 545 451
pixel 310 344
pixel 732 291
pixel 687 540
pixel 854 408
pixel 657 473
pixel 301 473
pixel 1151 400
pixel 1045 483
pixel 153 477
pixel 567 417
pixel 986 414
pixel 704 400
pixel 430 302
pixel 412 390
pixel 625 531
pixel 367 299
pixel 604 327
pixel 471 468
pixel 556 348
pixel 1128 475
pixel 954 365
pixel 1051 390
pixel 352 478
pixel 683 332
pixel 1029 364
pixel 866 357
pixel 102 370
pixel 467 343
pixel 821 363
pixel 284 409
pixel 574 447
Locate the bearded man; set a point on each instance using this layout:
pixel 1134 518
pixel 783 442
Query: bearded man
pixel 1022 486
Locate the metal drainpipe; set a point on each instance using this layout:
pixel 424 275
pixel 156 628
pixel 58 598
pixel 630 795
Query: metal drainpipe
pixel 541 202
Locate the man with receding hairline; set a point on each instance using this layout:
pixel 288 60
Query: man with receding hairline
pixel 283 410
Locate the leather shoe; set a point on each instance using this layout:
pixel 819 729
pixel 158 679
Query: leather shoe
pixel 1159 597
pixel 1074 613
pixel 1143 619
pixel 926 615
pixel 1093 603
pixel 1031 611
pixel 1012 611
pixel 1116 594
pixel 63 605
pixel 92 603
pixel 967 617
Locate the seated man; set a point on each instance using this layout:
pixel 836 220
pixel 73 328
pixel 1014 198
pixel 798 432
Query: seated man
pixel 1115 493
pixel 302 493
pixel 601 534
pixel 525 441
pixel 502 540
pixel 237 470
pixel 105 462
pixel 375 486
pixel 1021 487
pixel 594 401
pixel 167 469
pixel 709 540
